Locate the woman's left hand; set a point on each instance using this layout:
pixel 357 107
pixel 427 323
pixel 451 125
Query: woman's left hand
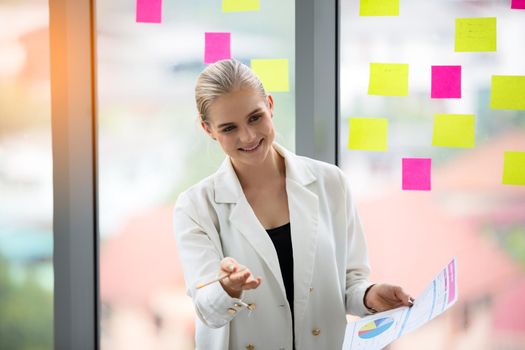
pixel 382 297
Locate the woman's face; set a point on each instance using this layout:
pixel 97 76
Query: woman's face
pixel 241 122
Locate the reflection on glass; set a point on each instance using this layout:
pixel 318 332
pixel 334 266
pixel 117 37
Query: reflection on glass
pixel 468 213
pixel 26 197
pixel 151 148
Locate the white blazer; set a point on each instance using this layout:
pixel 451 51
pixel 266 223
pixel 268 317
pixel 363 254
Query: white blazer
pixel 213 219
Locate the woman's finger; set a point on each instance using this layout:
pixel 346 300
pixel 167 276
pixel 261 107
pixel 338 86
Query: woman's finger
pixel 239 277
pixel 402 296
pixel 229 265
pixel 252 283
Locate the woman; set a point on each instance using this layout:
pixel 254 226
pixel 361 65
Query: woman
pixel 282 227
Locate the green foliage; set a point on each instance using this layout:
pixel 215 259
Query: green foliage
pixel 26 313
pixel 515 244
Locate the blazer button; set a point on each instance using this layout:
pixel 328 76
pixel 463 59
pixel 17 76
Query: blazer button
pixel 311 289
pixel 316 331
pixel 232 311
pixel 251 306
pixel 250 347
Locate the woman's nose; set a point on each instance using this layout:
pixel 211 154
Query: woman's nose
pixel 247 135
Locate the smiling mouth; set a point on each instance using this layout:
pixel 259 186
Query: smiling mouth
pixel 252 149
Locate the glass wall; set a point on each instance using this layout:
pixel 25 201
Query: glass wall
pixel 151 147
pixel 467 212
pixel 26 196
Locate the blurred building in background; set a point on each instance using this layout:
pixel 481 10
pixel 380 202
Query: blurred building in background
pixel 26 241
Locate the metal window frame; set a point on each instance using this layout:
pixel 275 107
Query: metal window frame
pixel 73 118
pixel 317 79
pixel 74 142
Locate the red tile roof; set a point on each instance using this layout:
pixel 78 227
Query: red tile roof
pixel 508 311
pixel 140 259
pixel 412 235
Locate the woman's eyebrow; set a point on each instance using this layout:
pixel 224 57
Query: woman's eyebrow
pixel 232 123
pixel 257 110
pixel 224 124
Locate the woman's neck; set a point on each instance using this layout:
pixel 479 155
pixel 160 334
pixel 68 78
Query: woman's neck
pixel 269 172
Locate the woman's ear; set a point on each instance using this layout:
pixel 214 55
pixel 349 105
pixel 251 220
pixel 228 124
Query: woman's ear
pixel 206 127
pixel 270 104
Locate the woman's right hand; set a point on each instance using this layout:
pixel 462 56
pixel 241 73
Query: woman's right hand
pixel 240 278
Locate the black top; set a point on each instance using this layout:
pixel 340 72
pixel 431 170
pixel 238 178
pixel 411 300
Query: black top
pixel 282 240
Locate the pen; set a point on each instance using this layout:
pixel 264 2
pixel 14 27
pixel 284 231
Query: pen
pixel 202 285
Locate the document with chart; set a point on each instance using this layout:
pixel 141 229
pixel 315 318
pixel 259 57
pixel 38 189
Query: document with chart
pixel 378 330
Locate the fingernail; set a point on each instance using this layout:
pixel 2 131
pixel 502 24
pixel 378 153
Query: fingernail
pixel 231 267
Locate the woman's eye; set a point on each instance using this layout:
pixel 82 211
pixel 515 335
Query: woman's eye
pixel 255 118
pixel 228 129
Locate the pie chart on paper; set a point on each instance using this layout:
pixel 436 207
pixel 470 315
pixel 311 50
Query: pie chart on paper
pixel 374 328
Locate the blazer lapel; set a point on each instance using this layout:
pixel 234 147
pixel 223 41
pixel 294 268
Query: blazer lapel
pixel 304 216
pixel 242 217
pixel 303 206
pixel 304 212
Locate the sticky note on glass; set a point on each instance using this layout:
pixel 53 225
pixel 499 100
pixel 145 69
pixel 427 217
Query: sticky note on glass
pixel 273 73
pixel 368 134
pixel 379 8
pixel 446 82
pixel 514 168
pixel 507 92
pixel 417 174
pixel 216 47
pixel 475 34
pixel 453 130
pixel 518 4
pixel 149 11
pixel 240 5
pixel 388 79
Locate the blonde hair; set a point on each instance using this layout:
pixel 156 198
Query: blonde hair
pixel 221 78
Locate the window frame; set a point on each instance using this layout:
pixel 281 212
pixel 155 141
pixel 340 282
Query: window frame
pixel 73 121
pixel 72 26
pixel 317 79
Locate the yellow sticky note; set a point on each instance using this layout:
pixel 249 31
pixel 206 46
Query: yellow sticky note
pixel 273 73
pixel 508 92
pixel 240 5
pixel 514 168
pixel 388 79
pixel 453 130
pixel 379 8
pixel 368 134
pixel 475 34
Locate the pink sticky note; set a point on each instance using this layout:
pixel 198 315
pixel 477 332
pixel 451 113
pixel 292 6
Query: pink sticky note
pixel 518 4
pixel 446 82
pixel 149 11
pixel 217 47
pixel 416 174
pixel 451 269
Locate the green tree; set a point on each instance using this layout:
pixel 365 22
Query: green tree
pixel 26 313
